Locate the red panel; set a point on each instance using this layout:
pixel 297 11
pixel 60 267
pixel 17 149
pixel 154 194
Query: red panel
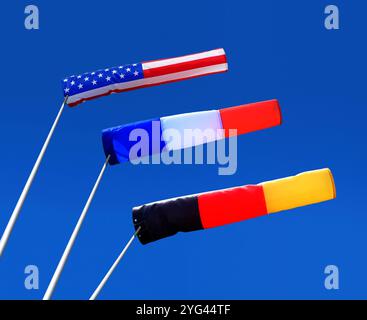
pixel 184 66
pixel 231 205
pixel 251 117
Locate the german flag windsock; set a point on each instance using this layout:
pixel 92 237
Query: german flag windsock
pixel 206 210
pixel 119 141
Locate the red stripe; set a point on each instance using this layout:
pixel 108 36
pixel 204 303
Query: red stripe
pixel 184 66
pixel 251 117
pixel 75 103
pixel 221 207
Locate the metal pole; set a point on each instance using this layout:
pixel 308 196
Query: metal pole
pixel 23 196
pixel 65 255
pixel 112 269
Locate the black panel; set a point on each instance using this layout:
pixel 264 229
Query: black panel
pixel 165 218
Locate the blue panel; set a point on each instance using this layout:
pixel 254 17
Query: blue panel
pixel 117 141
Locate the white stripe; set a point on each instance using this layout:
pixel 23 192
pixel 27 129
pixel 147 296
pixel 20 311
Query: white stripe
pixel 191 57
pixel 148 81
pixel 191 129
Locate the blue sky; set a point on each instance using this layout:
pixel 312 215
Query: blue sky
pixel 275 49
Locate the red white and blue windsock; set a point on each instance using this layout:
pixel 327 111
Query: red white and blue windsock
pixel 118 141
pixel 90 85
pixel 212 209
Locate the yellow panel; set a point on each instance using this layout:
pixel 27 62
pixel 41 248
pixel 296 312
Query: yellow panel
pixel 300 190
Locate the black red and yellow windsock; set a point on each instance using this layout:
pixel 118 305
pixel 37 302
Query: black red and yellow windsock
pixel 216 208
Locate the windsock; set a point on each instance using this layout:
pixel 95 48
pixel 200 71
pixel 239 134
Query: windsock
pixel 90 85
pixel 119 141
pixel 212 209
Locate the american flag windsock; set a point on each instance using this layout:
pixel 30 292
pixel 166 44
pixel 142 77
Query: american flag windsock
pixel 216 208
pixel 117 142
pixel 90 85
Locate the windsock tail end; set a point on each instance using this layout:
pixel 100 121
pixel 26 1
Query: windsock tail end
pixel 303 189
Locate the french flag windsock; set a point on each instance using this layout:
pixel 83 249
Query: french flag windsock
pixel 90 85
pixel 119 141
pixel 212 209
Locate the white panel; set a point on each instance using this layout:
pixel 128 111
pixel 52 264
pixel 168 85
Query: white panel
pixel 189 129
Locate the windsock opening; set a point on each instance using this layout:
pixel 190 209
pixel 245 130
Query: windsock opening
pixel 119 141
